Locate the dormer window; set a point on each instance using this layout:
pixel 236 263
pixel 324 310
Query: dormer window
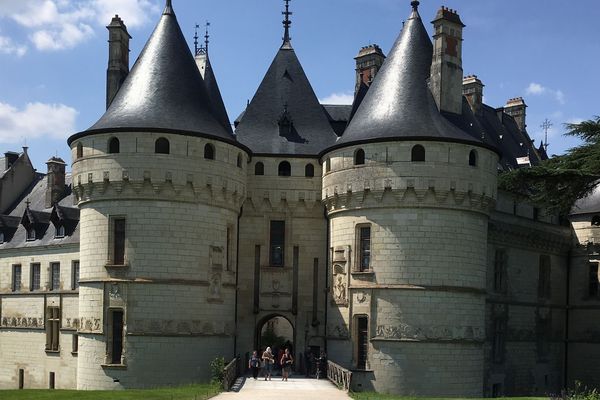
pixel 31 233
pixel 596 220
pixel 1 237
pixel 60 231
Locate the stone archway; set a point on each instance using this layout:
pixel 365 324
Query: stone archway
pixel 275 331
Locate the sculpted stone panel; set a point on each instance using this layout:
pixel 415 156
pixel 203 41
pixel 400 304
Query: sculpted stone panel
pixel 409 332
pixel 22 322
pixel 180 327
pixel 338 331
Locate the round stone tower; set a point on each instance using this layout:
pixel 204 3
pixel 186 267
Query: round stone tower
pixel 408 197
pixel 159 181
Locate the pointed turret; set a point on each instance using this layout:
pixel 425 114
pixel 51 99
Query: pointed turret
pixel 164 90
pixel 285 116
pixel 399 104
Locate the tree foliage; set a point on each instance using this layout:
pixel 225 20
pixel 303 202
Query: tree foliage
pixel 558 182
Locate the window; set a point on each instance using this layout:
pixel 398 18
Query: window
pixel 114 146
pixel 35 277
pixel 16 278
pixel 277 243
pixel 75 275
pixel 54 276
pixel 79 150
pixel 51 380
pixel 21 379
pixel 259 168
pixel 362 341
pixel 239 161
pixel 116 336
pixel 59 231
pixel 75 344
pixel 364 248
pixel 228 245
pixel 417 153
pixel 309 171
pixel 30 233
pixel 359 157
pixel 52 327
pixel 473 158
pixel 596 220
pixel 544 282
pixel 118 250
pixel 328 165
pixel 285 169
pixel 162 146
pixel 498 339
pixel 500 284
pixel 1 237
pixel 209 151
pixel 593 280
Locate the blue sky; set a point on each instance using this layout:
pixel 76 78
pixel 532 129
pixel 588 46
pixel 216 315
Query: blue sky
pixel 53 55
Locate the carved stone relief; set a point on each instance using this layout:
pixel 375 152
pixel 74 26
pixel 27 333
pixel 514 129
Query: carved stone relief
pixel 409 332
pixel 337 331
pixel 22 322
pixel 216 256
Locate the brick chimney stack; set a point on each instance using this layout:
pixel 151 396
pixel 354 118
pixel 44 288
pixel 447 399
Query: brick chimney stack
pixel 516 109
pixel 118 57
pixel 473 91
pixel 368 62
pixel 446 67
pixel 55 190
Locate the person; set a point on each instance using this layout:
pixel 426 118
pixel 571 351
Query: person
pixel 286 364
pixel 268 361
pixel 254 364
pixel 321 365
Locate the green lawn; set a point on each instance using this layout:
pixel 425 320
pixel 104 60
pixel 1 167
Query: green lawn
pixel 193 392
pixel 377 396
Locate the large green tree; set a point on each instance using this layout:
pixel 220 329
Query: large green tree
pixel 558 182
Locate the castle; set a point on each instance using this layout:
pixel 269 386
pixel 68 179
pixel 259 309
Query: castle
pixel 374 231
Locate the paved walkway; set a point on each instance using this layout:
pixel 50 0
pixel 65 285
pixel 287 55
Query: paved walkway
pixel 296 388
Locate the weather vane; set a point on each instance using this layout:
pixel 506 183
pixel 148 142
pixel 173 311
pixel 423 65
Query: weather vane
pixel 546 125
pixel 196 40
pixel 287 22
pixel 206 36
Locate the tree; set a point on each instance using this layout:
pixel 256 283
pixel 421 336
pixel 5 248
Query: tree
pixel 558 182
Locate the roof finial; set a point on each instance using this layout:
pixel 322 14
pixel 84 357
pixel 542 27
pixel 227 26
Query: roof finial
pixel 196 40
pixel 415 5
pixel 287 23
pixel 168 8
pixel 206 36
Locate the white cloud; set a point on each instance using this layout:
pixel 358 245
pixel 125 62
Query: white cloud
pixel 7 46
pixel 56 121
pixel 62 24
pixel 338 98
pixel 536 89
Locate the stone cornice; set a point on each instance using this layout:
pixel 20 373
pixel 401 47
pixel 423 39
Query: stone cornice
pixel 529 237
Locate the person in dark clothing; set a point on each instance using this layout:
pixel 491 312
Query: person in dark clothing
pixel 254 364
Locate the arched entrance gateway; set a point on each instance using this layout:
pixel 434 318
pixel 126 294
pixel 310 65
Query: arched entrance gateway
pixel 275 331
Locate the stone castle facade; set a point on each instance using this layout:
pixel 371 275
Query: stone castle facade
pixel 374 231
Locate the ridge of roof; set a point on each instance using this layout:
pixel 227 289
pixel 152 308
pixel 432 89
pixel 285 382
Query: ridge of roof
pixel 164 90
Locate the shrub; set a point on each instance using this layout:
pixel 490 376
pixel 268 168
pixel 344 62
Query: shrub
pixel 217 370
pixel 579 392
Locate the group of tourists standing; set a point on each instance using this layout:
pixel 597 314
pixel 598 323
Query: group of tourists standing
pixel 269 361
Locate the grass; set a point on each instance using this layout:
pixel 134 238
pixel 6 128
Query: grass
pixel 377 396
pixel 192 392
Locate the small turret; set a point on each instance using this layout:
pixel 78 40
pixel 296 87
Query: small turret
pixel 118 57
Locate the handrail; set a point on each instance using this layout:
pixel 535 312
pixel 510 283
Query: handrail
pixel 340 376
pixel 230 374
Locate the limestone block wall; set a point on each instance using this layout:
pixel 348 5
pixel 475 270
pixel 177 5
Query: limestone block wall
pixel 264 290
pixel 176 289
pixel 23 320
pixel 424 290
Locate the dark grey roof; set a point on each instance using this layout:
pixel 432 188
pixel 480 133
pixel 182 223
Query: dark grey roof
pixel 214 95
pixel 339 115
pixel 164 90
pixel 589 204
pixel 285 89
pixel 399 104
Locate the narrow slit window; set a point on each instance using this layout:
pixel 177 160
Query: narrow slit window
pixel 55 276
pixel 473 158
pixel 277 243
pixel 364 246
pixel 116 345
pixel 79 150
pixel 16 278
pixel 362 342
pixel 119 241
pixel 52 328
pixel 35 277
pixel 75 275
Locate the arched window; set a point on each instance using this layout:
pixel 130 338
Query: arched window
pixel 79 150
pixel 60 231
pixel 417 153
pixel 285 169
pixel 114 146
pixel 473 158
pixel 259 168
pixel 309 171
pixel 596 220
pixel 359 157
pixel 30 233
pixel 209 151
pixel 239 161
pixel 328 165
pixel 162 146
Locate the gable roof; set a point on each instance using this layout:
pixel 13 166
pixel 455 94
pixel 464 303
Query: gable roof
pixel 285 91
pixel 163 92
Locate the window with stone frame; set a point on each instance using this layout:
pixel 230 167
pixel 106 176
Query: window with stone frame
pixel 52 328
pixel 117 240
pixel 498 339
pixel 500 271
pixel 115 331
pixel 16 277
pixel 277 244
pixel 361 341
pixel 593 280
pixel 544 277
pixel 363 246
pixel 229 248
pixel 75 275
pixel 55 276
pixel 35 278
pixel 75 343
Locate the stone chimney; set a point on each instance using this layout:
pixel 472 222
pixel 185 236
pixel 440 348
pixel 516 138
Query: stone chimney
pixel 473 91
pixel 446 67
pixel 516 109
pixel 10 157
pixel 368 62
pixel 118 57
pixel 55 190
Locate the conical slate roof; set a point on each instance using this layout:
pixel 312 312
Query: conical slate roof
pixel 285 94
pixel 399 104
pixel 214 95
pixel 164 90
